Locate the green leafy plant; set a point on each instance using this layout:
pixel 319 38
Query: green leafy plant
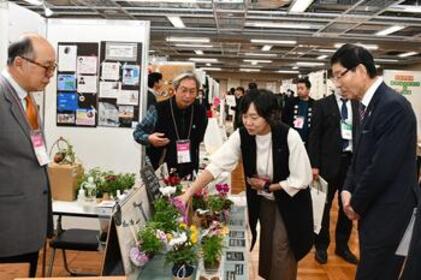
pixel 150 243
pixel 212 247
pixel 184 255
pixel 216 203
pixel 165 216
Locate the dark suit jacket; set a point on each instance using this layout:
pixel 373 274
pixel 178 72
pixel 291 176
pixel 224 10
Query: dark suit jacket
pixel 151 100
pixel 325 140
pixel 288 111
pixel 25 202
pixel 382 177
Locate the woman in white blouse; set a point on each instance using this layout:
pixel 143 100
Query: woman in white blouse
pixel 278 173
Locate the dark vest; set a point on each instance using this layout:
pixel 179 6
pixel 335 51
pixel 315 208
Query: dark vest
pixel 165 124
pixel 296 211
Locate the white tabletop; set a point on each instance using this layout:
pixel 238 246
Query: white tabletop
pixel 74 208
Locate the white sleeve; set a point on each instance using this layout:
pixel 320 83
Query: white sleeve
pixel 300 174
pixel 227 156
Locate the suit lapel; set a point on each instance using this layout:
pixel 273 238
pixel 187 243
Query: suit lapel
pixel 15 107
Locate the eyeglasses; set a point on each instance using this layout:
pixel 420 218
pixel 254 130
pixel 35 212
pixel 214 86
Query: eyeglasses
pixel 192 91
pixel 47 68
pixel 340 75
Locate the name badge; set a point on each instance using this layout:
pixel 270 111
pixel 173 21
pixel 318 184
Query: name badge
pixel 299 122
pixel 39 148
pixel 183 151
pixel 346 130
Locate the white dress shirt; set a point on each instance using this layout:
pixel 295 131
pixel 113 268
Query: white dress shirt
pixel 368 95
pixel 19 90
pixel 226 158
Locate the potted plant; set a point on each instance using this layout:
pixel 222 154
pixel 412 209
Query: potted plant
pixel 199 209
pixel 212 248
pixel 149 242
pixel 182 251
pixel 166 215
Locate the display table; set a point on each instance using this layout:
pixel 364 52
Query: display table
pixel 234 263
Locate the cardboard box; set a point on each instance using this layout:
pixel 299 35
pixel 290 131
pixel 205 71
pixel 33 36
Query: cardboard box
pixel 63 180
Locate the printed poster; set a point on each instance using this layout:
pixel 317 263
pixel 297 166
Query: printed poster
pixel 67 58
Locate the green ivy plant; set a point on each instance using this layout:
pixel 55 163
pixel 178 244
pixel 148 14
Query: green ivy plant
pixel 150 244
pixel 165 216
pixel 212 248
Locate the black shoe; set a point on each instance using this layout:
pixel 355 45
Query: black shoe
pixel 347 255
pixel 321 256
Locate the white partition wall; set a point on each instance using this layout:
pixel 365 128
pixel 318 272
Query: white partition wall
pixel 110 148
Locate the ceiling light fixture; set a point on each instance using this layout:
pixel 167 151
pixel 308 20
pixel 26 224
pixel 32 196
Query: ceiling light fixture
pixel 176 21
pixel 385 60
pixel 249 70
pixel 272 24
pixel 198 52
pixel 34 2
pixel 196 59
pixel 303 63
pixel 193 46
pixel 288 71
pixel 405 8
pixel 257 61
pixel 326 50
pixel 299 6
pixel 273 42
pixel 323 56
pixel 407 54
pixel 47 11
pixel 208 64
pixel 367 46
pixel 389 30
pixel 210 68
pixel 295 67
pixel 188 39
pixel 261 54
pixel 266 48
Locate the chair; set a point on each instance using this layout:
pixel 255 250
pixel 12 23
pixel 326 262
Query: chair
pixel 73 239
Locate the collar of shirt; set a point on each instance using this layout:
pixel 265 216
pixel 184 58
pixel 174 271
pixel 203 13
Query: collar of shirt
pixel 368 95
pixel 153 91
pixel 19 90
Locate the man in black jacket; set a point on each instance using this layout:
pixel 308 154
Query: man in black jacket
pixel 332 139
pixel 298 110
pixel 155 83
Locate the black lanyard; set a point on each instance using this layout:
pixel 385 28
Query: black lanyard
pixel 175 123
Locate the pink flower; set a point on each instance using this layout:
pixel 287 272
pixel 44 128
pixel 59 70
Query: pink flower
pixel 181 207
pixel 222 189
pixel 138 257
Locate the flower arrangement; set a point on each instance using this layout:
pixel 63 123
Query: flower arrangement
pixel 108 181
pixel 219 204
pixel 166 216
pixel 182 250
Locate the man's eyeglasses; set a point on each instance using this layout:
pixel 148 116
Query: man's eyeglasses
pixel 340 75
pixel 48 68
pixel 191 91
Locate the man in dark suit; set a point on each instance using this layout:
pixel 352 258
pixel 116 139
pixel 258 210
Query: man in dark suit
pixel 25 199
pixel 298 110
pixel 331 142
pixel 381 186
pixel 154 87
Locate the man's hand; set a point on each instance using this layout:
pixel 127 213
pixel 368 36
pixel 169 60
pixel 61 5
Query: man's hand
pixel 346 202
pixel 158 140
pixel 256 183
pixel 316 172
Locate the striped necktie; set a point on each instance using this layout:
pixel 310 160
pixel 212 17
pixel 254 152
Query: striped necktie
pixel 31 112
pixel 362 111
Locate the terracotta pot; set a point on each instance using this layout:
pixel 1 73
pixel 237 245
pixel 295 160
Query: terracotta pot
pixel 211 269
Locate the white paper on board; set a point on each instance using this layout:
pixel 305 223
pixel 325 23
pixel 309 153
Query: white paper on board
pixel 110 71
pixel 67 58
pixel 128 97
pixel 86 64
pixel 87 84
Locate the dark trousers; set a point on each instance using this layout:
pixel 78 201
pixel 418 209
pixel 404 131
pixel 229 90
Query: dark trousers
pixel 343 225
pixel 31 258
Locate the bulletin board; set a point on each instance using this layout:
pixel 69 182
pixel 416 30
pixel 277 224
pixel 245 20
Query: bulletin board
pixel 119 84
pixel 77 84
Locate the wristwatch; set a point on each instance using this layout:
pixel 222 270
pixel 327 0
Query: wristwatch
pixel 266 187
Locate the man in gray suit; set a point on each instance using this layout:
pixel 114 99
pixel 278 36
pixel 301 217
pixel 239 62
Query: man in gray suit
pixel 25 200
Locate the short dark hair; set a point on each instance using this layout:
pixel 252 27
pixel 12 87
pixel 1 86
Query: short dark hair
pixel 252 86
pixel 350 56
pixel 153 78
pixel 265 103
pixel 240 89
pixel 305 81
pixel 22 47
